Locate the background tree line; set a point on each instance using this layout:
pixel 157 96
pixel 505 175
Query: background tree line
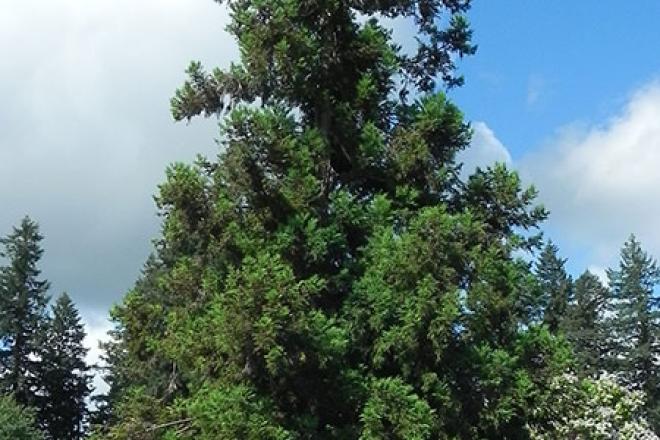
pixel 613 328
pixel 44 380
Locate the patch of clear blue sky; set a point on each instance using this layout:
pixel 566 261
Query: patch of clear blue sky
pixel 544 64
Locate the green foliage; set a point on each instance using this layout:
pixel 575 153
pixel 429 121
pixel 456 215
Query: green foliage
pixel 23 302
pixel 585 325
pixel 393 411
pixel 63 375
pixel 287 52
pixel 636 323
pixel 41 357
pixel 221 413
pixel 17 422
pixel 330 276
pixel 556 287
pixel 142 416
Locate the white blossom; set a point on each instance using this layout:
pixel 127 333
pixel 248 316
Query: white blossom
pixel 594 410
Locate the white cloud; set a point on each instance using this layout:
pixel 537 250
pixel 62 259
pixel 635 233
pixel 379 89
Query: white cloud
pixel 602 182
pixel 97 326
pixel 86 131
pixel 86 134
pixel 485 149
pixel 600 272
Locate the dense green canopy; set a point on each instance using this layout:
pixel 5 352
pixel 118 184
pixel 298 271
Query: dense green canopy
pixel 330 276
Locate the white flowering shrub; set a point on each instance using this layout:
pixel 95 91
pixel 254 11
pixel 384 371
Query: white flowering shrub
pixel 594 410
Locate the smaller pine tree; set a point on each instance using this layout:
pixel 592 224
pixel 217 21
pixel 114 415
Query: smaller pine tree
pixel 635 325
pixel 584 324
pixel 556 287
pixel 23 303
pixel 64 376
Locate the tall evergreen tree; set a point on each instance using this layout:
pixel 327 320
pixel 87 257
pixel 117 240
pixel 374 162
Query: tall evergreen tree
pixel 64 377
pixel 556 287
pixel 636 323
pixel 330 276
pixel 23 303
pixel 585 324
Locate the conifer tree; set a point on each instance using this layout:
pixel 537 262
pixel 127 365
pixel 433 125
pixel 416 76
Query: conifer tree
pixel 17 422
pixel 126 361
pixel 23 303
pixel 330 276
pixel 585 325
pixel 63 375
pixel 636 323
pixel 113 371
pixel 556 287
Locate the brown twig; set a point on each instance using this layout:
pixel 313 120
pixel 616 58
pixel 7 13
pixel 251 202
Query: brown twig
pixel 169 424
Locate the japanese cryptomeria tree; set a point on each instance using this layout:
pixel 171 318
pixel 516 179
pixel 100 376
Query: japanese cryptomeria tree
pixel 330 275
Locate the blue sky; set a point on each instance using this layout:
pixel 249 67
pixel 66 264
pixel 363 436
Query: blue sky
pixel 563 91
pixel 544 68
pixel 544 64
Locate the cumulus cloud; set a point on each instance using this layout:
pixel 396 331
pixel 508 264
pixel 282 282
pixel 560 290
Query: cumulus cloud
pixel 86 132
pixel 601 182
pixel 485 149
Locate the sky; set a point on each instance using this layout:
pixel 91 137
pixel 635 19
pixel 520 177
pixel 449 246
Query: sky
pixel 569 89
pixel 568 93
